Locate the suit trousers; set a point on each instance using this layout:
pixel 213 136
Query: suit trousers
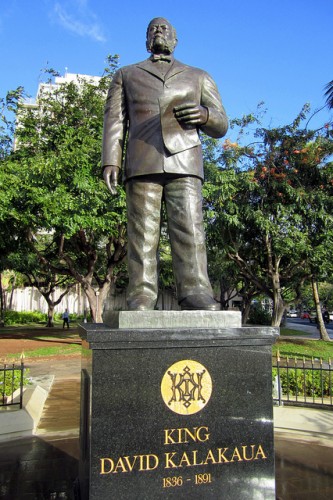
pixel 183 199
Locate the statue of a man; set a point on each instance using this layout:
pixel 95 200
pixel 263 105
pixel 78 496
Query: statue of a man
pixel 162 104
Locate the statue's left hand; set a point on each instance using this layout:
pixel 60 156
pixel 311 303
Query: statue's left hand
pixel 191 114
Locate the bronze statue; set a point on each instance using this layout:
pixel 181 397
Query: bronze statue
pixel 162 104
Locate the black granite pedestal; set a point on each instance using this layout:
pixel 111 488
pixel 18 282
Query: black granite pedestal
pixel 177 413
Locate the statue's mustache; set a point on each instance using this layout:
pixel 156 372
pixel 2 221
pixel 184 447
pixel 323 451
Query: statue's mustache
pixel 159 35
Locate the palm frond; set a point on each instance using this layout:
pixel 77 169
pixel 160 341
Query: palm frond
pixel 329 94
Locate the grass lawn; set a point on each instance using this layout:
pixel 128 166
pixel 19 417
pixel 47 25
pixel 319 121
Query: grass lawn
pixel 307 348
pixel 37 328
pixel 302 347
pixel 35 340
pixel 43 352
pixel 289 332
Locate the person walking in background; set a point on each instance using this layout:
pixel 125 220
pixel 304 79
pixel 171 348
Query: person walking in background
pixel 65 318
pixel 326 316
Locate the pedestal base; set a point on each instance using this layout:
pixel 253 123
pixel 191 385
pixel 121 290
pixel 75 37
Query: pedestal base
pixel 177 413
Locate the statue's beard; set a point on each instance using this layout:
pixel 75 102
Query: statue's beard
pixel 159 44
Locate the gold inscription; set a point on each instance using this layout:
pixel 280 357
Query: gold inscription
pixel 128 464
pixel 171 482
pixel 175 460
pixel 203 478
pixel 184 435
pixel 183 459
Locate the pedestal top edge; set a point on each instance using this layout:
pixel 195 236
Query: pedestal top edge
pixel 99 333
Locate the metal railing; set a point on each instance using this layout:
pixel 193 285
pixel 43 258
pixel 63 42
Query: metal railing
pixel 11 384
pixel 301 382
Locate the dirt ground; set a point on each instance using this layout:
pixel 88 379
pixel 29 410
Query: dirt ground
pixel 15 340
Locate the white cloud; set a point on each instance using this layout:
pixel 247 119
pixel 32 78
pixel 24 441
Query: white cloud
pixel 77 18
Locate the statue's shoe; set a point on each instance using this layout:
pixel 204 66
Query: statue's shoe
pixel 141 303
pixel 200 301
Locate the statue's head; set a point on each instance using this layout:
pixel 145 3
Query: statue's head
pixel 161 36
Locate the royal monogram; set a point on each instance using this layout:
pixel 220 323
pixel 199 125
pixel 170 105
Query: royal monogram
pixel 186 387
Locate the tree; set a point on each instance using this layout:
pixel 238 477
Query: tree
pixel 47 289
pixel 320 321
pixel 329 94
pixel 57 187
pixel 39 274
pixel 271 206
pixel 8 111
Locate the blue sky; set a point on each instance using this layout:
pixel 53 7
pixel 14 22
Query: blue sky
pixel 276 51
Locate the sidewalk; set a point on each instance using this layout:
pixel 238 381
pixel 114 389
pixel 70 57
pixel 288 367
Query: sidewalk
pixel 45 466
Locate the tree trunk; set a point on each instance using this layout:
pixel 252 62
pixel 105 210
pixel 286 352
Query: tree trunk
pixel 96 300
pixel 12 293
pixel 278 310
pixel 278 302
pixel 273 267
pixel 223 293
pixel 50 313
pixel 246 310
pixel 321 325
pixel 93 303
pixel 2 314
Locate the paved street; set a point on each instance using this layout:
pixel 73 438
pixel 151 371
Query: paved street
pixel 307 327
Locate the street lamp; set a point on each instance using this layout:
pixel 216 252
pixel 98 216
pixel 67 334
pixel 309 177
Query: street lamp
pixel 97 305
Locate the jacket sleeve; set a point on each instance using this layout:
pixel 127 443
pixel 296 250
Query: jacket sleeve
pixel 115 123
pixel 217 123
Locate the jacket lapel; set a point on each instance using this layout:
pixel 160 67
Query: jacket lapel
pixel 176 68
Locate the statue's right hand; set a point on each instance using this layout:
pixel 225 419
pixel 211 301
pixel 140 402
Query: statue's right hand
pixel 110 175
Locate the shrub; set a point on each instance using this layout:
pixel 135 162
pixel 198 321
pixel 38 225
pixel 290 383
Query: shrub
pixel 10 380
pixel 72 316
pixel 304 382
pixel 24 317
pixel 259 316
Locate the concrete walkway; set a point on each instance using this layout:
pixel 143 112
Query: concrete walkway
pixel 305 423
pixel 61 415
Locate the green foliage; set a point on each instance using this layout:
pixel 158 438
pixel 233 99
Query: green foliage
pixel 8 109
pixel 313 383
pixel 66 349
pixel 325 290
pixel 10 380
pixel 72 316
pixel 329 94
pixel 53 201
pixel 259 316
pixel 270 207
pixel 24 317
pixel 58 155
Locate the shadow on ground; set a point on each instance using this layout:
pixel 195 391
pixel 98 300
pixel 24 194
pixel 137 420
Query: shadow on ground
pixel 38 469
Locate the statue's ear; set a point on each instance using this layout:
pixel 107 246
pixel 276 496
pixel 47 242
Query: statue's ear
pixel 175 43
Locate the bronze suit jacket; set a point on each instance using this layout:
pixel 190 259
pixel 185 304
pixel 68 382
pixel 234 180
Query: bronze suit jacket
pixel 140 102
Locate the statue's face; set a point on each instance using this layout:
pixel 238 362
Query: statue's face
pixel 161 37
